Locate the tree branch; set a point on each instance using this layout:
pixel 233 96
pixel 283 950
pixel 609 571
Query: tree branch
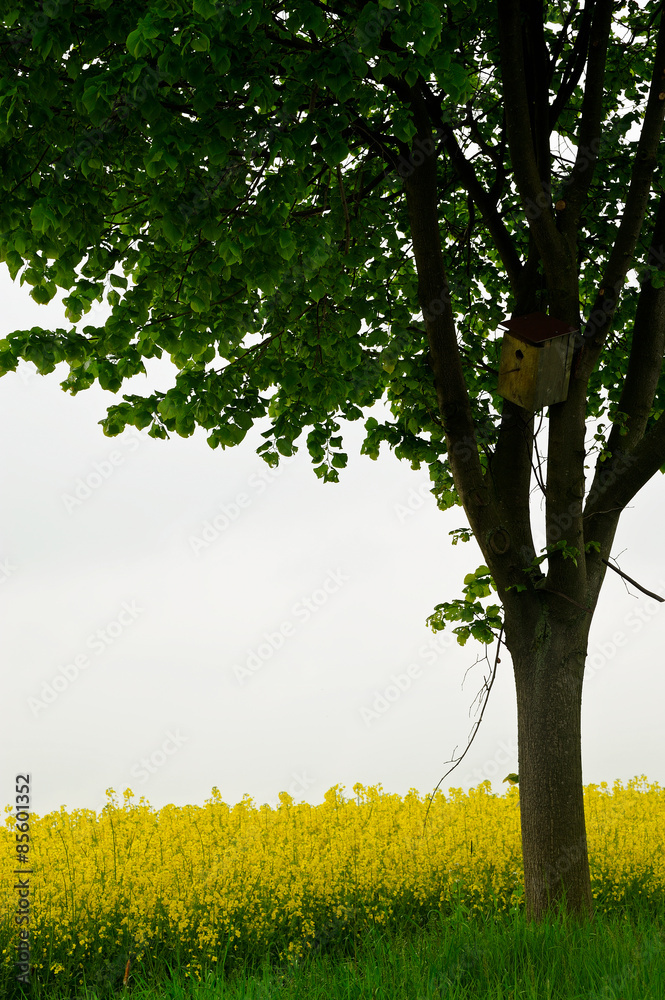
pixel 574 65
pixel 347 223
pixel 624 475
pixel 588 140
pixel 557 48
pixel 646 355
pixel 644 590
pixel 632 220
pixel 510 472
pixel 523 144
pixel 380 141
pixel 467 175
pixel 434 298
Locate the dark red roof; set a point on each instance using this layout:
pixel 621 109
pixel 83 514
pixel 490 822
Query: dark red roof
pixel 537 326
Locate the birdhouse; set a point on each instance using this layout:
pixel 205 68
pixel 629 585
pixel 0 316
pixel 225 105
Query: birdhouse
pixel 536 359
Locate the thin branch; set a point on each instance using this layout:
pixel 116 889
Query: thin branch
pixel 557 48
pixel 646 355
pixel 521 140
pixel 456 761
pixel 575 64
pixel 381 142
pixel 132 204
pixel 538 465
pixel 32 170
pixel 644 590
pixel 291 41
pixel 637 200
pixel 250 350
pixel 588 142
pixel 186 268
pixel 467 175
pixel 346 210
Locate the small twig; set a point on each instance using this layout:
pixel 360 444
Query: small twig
pixel 538 467
pixel 32 170
pixel 611 510
pixel 644 590
pixel 625 585
pixel 458 760
pixel 346 210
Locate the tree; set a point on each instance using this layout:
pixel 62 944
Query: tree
pixel 317 205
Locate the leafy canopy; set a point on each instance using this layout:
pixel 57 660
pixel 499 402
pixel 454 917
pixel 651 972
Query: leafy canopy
pixel 229 177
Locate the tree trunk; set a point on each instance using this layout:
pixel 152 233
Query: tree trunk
pixel 548 659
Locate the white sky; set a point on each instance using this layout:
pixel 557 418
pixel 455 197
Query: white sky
pixel 108 610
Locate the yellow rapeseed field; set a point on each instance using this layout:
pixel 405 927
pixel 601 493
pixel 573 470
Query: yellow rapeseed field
pixel 206 882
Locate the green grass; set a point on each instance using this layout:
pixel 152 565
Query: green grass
pixel 613 957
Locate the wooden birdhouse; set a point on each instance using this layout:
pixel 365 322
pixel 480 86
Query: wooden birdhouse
pixel 536 359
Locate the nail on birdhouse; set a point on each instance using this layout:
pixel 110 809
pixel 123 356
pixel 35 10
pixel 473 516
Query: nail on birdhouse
pixel 536 359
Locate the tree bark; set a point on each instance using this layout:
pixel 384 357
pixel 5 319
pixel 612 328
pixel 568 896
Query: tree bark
pixel 548 655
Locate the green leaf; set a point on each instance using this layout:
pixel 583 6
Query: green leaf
pixel 430 15
pixel 43 293
pixel 206 9
pixel 134 42
pixel 201 43
pixel 153 168
pixel 335 151
pixel 287 244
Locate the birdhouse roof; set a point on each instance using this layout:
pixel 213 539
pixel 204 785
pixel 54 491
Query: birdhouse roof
pixel 536 327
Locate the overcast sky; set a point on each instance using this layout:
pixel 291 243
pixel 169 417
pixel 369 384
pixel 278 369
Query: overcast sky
pixel 175 618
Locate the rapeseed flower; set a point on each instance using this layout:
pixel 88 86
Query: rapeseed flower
pixel 206 882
